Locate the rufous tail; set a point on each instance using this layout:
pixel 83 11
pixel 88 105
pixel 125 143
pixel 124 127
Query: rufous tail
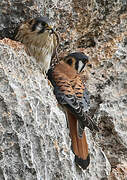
pixel 79 144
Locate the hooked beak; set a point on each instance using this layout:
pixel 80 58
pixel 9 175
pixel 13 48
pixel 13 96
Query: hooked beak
pixel 50 29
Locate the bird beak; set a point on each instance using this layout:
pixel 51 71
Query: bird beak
pixel 50 29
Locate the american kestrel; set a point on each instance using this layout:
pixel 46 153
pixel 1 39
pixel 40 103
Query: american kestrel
pixel 71 93
pixel 40 40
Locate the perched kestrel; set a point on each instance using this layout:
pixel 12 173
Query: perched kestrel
pixel 40 40
pixel 72 95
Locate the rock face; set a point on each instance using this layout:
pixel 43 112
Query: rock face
pixel 35 141
pixel 38 146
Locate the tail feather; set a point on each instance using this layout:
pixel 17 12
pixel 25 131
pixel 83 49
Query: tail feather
pixel 79 144
pixel 82 163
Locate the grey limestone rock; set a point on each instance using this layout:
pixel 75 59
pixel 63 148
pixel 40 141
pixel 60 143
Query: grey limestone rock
pixel 34 137
pixel 97 28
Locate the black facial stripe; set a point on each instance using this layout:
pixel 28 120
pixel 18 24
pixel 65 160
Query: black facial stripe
pixel 82 68
pixel 76 65
pixel 34 26
pixel 69 61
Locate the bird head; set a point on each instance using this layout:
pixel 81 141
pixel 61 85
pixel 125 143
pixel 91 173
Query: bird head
pixel 77 60
pixel 41 25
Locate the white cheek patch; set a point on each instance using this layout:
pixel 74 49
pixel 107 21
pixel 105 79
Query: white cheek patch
pixel 80 65
pixel 39 27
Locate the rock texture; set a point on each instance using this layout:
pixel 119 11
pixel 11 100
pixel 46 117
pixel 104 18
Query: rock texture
pixel 98 28
pixel 35 142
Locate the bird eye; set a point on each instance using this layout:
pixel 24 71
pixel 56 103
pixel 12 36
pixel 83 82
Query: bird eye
pixel 44 24
pixel 69 61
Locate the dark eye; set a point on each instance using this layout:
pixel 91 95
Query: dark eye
pixel 69 61
pixel 43 24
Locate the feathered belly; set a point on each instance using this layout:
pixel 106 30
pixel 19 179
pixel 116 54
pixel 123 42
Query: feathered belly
pixel 41 53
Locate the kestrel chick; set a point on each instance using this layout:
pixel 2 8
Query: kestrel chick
pixel 71 93
pixel 40 40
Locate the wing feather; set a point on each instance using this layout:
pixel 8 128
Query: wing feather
pixel 73 95
pixel 71 103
